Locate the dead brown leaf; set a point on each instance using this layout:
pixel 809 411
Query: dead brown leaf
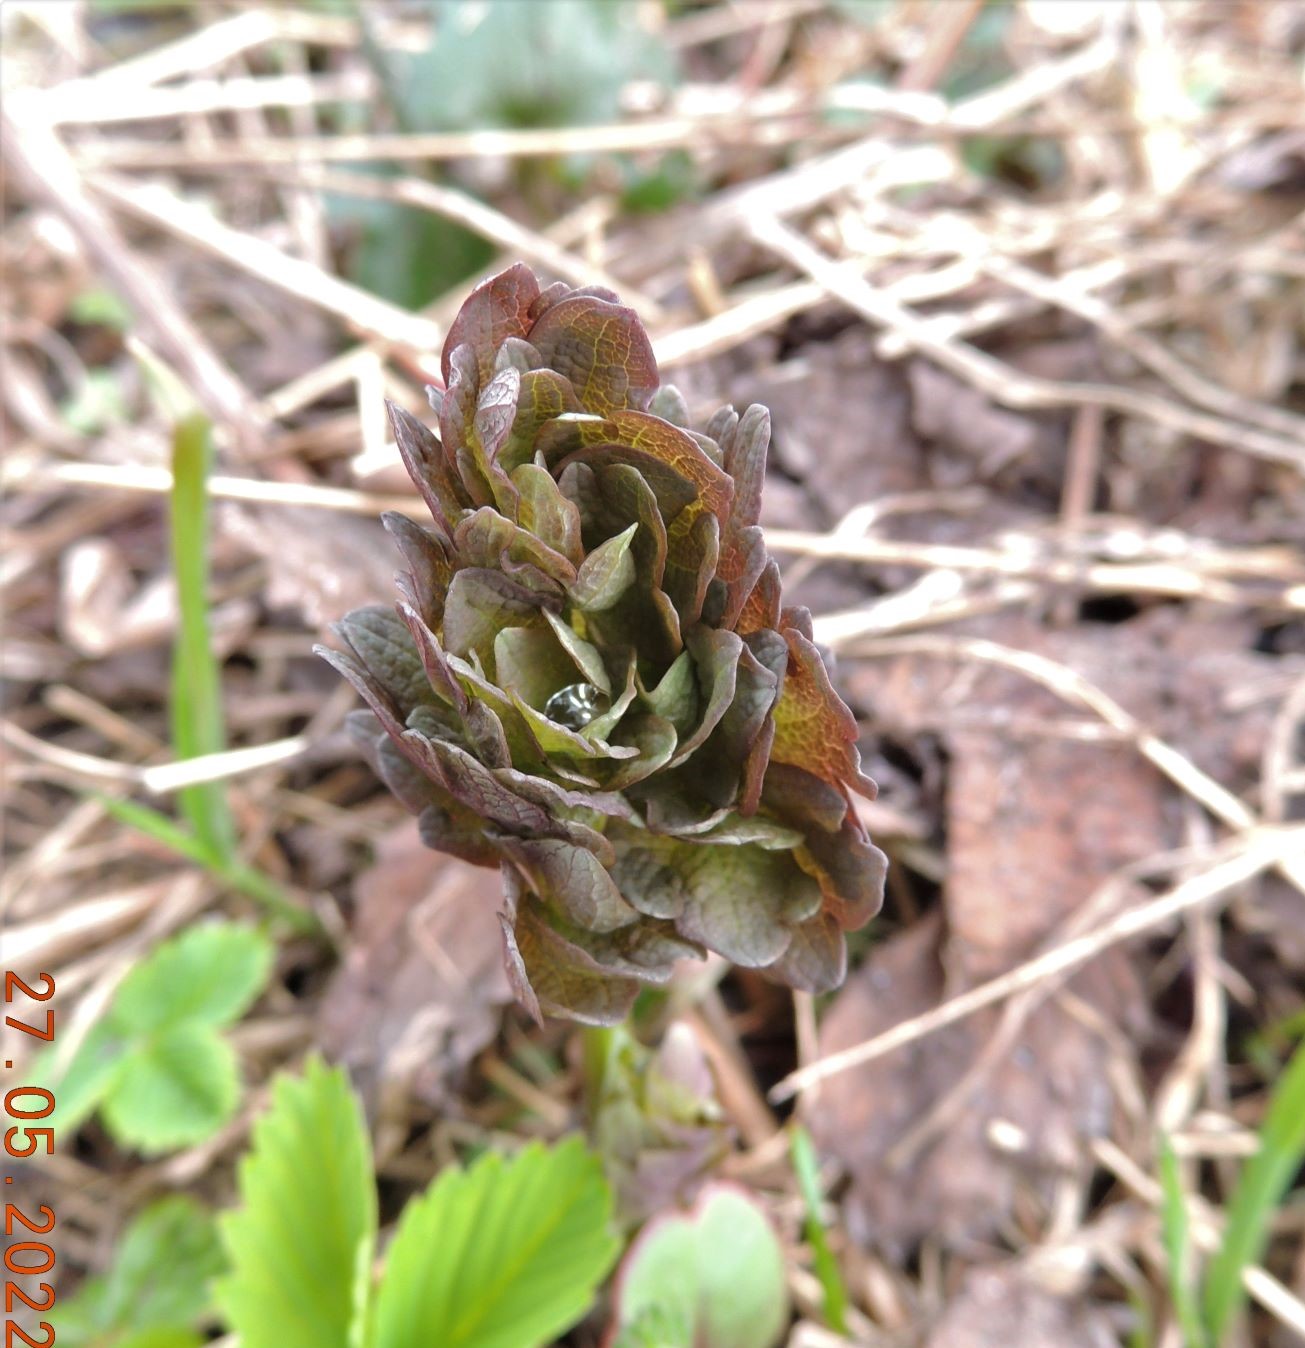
pixel 420 990
pixel 946 411
pixel 1021 1125
pixel 319 567
pixel 1040 809
pixel 1000 1308
pixel 1036 821
pixel 841 420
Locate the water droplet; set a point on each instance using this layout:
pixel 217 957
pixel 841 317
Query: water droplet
pixel 575 705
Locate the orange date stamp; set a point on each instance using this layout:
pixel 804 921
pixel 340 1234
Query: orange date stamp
pixel 28 1257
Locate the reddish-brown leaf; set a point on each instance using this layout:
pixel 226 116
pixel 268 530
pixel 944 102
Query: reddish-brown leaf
pixel 602 349
pixel 655 441
pixel 813 727
pixel 496 310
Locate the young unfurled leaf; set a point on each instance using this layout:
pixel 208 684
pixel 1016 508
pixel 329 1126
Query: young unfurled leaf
pixel 605 574
pixel 719 1268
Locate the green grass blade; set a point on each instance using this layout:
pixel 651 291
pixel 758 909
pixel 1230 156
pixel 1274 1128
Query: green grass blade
pixel 159 827
pixel 197 721
pixel 806 1168
pixel 1263 1182
pixel 1176 1231
pixel 256 885
pixel 1265 1047
pixel 248 881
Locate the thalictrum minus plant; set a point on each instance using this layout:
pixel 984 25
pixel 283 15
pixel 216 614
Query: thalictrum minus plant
pixel 591 680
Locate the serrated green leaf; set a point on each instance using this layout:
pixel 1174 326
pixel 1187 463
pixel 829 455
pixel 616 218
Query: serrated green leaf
pixel 173 1090
pixel 209 975
pixel 300 1245
pixel 89 1076
pixel 506 1254
pixel 157 1286
pixel 720 1267
pixel 154 1065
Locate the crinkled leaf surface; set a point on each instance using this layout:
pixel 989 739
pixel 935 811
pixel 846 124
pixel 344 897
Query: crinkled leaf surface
pixel 594 614
pixel 813 728
pixel 606 573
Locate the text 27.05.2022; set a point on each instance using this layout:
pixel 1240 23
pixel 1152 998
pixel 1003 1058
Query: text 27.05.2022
pixel 27 1258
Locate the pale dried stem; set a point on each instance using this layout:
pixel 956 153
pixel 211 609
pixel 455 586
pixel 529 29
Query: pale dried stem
pixel 358 310
pixel 1252 853
pixel 1206 1224
pixel 158 482
pixel 47 173
pixel 90 102
pixel 210 47
pixel 159 778
pixel 1000 381
pixel 1205 572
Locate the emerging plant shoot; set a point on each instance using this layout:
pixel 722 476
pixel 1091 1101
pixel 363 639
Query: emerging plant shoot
pixel 591 681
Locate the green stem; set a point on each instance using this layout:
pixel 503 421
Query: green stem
pixel 600 1043
pixel 198 725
